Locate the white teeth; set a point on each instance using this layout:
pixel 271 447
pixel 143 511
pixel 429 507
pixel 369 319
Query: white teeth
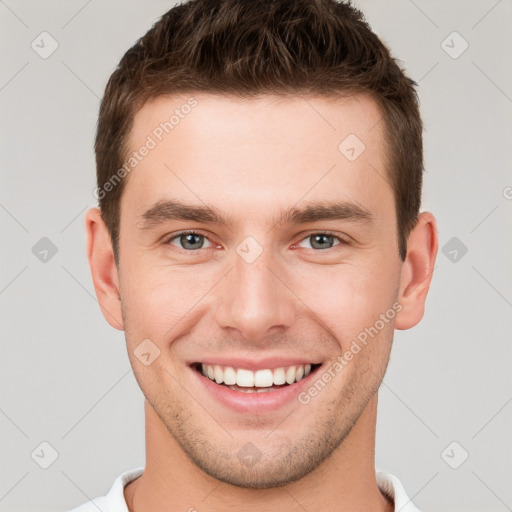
pixel 244 378
pixel 263 379
pixel 279 376
pixel 219 374
pixel 290 375
pixel 229 376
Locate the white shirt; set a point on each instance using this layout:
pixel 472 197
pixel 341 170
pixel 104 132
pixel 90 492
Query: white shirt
pixel 114 500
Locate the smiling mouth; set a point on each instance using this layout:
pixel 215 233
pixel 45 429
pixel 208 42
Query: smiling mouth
pixel 259 381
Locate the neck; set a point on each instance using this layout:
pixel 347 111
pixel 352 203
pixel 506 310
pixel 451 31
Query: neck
pixel 344 482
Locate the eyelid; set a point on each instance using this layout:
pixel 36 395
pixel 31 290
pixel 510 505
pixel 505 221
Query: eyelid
pixel 342 239
pixel 169 238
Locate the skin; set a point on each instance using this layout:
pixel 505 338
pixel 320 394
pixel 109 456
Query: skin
pixel 253 159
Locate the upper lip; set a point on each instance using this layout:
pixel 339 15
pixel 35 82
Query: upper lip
pixel 256 364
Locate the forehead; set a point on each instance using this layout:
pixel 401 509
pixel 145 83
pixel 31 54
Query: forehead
pixel 258 154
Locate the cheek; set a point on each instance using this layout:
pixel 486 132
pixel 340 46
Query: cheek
pixel 158 299
pixel 347 299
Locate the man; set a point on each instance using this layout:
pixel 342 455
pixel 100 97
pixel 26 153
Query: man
pixel 259 239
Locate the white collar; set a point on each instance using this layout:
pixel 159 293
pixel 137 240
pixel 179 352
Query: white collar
pixel 114 500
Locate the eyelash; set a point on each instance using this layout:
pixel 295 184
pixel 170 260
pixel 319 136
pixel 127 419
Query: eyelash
pixel 341 240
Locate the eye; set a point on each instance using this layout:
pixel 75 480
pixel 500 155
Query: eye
pixel 189 240
pixel 192 241
pixel 322 241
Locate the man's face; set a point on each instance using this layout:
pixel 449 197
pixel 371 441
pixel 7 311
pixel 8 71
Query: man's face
pixel 264 290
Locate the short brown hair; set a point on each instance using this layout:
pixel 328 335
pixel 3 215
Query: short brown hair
pixel 252 47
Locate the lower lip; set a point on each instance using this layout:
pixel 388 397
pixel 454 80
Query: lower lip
pixel 255 403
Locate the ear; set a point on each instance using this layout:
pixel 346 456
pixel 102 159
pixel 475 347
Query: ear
pixel 417 270
pixel 103 268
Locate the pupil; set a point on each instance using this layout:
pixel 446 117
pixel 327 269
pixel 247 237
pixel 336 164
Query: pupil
pixel 322 239
pixel 188 239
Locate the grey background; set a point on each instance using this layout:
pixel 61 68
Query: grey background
pixel 65 375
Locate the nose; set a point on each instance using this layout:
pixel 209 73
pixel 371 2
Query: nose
pixel 255 298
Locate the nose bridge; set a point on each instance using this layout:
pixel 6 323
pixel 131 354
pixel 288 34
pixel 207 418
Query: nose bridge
pixel 253 298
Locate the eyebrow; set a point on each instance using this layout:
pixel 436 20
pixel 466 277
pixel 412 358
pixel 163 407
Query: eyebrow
pixel 168 210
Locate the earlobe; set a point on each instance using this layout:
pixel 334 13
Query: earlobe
pixel 103 268
pixel 417 271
